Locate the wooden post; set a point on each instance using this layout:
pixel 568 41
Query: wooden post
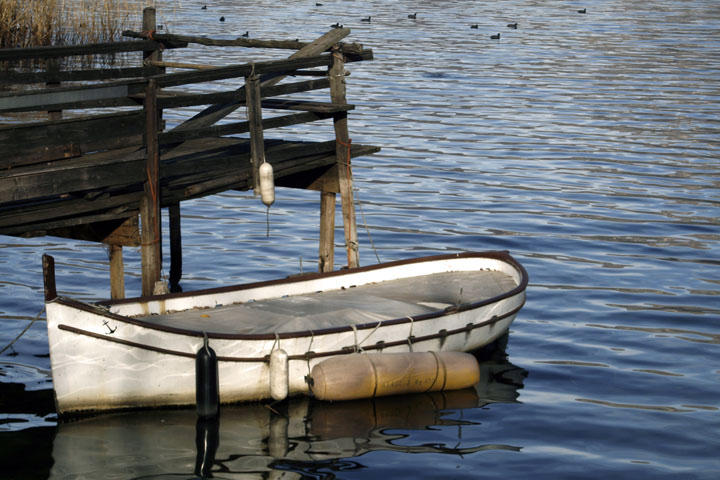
pixel 117 272
pixel 342 153
pixel 151 247
pixel 53 68
pixel 327 232
pixel 48 264
pixel 175 248
pixel 149 26
pixel 254 114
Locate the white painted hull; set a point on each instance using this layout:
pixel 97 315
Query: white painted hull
pixel 104 358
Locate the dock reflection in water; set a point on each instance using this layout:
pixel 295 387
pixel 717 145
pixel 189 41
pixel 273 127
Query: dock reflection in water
pixel 288 440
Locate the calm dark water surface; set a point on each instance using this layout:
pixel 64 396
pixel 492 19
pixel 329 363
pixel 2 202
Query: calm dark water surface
pixel 586 144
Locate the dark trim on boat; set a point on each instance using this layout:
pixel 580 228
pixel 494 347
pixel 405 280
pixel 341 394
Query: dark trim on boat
pixel 307 356
pixel 142 346
pixel 101 307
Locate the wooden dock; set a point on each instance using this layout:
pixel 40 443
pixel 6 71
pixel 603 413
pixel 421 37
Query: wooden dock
pixel 105 177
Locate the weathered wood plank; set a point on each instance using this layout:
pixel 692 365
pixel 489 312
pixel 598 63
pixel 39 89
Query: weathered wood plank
pixel 55 51
pixel 184 175
pixel 18 216
pixel 119 231
pixel 237 42
pixel 290 160
pixel 300 173
pixel 176 100
pixel 124 168
pixel 182 65
pixel 59 228
pixel 309 73
pixel 324 180
pixel 103 95
pixel 52 67
pixel 116 93
pixel 103 170
pixel 174 136
pixel 306 106
pixel 212 114
pixel 12 77
pixel 266 67
pixel 26 144
pixel 295 87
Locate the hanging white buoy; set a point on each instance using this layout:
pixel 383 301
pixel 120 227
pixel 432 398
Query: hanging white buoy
pixel 267 184
pixel 279 375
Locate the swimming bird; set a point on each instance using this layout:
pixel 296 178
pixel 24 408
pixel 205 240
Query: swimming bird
pixel 584 10
pixel 512 25
pixel 246 34
pixel 413 15
pixel 336 25
pixel 495 37
pixel 474 25
pixel 204 7
pixel 318 4
pixel 222 19
pixel 365 19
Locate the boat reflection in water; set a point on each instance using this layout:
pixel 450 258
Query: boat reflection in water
pixel 286 440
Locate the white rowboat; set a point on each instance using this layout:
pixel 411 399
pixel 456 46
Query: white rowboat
pixel 141 352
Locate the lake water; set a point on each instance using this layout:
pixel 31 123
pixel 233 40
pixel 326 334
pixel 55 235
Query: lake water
pixel 588 145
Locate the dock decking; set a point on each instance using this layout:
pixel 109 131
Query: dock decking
pixel 103 175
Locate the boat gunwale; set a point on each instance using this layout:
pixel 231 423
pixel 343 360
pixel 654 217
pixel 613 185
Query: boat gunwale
pixel 99 308
pixel 443 333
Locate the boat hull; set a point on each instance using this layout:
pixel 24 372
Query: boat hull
pixel 104 359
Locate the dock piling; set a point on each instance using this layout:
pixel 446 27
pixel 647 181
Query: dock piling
pixel 151 245
pixel 175 248
pixel 117 272
pixel 327 231
pixel 343 154
pixel 254 115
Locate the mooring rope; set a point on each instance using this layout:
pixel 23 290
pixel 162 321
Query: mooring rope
pixel 309 349
pixel 367 228
pixel 23 332
pixel 356 197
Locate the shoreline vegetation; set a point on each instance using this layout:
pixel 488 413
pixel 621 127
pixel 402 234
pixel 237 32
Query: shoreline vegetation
pixel 34 23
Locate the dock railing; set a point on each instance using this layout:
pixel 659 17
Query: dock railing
pixel 110 160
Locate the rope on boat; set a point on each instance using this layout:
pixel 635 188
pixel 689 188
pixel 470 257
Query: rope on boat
pixel 358 347
pixel 309 352
pixel 410 335
pixel 276 343
pixel 23 332
pixel 206 342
